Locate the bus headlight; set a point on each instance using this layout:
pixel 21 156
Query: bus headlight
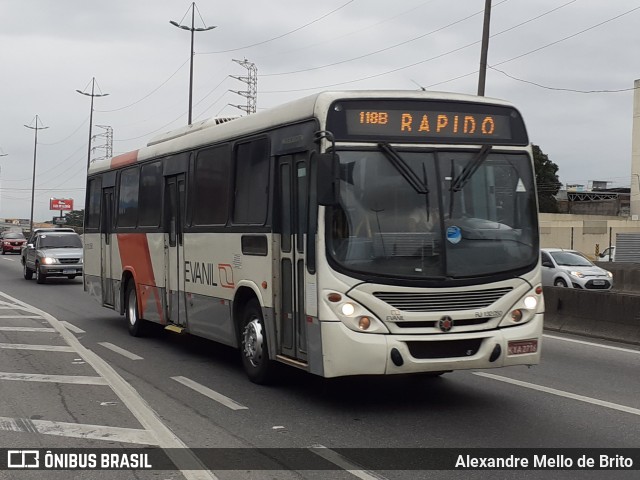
pixel 524 309
pixel 353 315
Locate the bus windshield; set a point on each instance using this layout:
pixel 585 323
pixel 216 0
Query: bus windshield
pixel 454 214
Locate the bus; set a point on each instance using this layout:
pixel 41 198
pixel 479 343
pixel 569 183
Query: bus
pixel 345 233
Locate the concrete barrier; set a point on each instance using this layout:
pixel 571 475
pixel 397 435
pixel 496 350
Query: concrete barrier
pixel 613 315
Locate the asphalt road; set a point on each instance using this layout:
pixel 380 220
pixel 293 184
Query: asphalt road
pixel 91 385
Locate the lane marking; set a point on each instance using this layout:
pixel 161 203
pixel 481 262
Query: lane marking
pixel 593 344
pixel 121 351
pixel 18 317
pixel 182 456
pixel 344 463
pixel 212 394
pixel 27 329
pixel 37 377
pixel 77 430
pixel 72 327
pixel 561 393
pixel 44 348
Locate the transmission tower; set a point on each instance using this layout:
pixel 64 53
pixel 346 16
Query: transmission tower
pixel 108 145
pixel 251 94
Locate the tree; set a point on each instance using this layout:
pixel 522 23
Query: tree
pixel 546 180
pixel 75 218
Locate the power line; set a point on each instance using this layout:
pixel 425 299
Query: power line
pixel 284 34
pixel 381 50
pixel 559 88
pixel 428 59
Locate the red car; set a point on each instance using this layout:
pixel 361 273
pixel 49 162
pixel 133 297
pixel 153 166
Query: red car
pixel 12 242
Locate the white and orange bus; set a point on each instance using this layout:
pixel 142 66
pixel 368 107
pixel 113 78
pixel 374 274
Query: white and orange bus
pixel 346 233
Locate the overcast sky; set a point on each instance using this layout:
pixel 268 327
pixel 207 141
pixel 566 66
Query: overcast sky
pixel 544 54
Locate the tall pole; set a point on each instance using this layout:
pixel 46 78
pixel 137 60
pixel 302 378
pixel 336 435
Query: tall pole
pixel 33 181
pixel 92 95
pixel 1 155
pixel 192 29
pixel 485 47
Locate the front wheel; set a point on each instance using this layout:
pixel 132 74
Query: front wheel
pixel 255 351
pixel 40 277
pixel 28 273
pixel 560 283
pixel 137 326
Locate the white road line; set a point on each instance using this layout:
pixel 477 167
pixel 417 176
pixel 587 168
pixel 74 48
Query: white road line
pixel 18 317
pixel 593 344
pixel 561 393
pixel 344 463
pixel 72 327
pixel 212 394
pixel 43 348
pixel 185 460
pixel 27 329
pixel 36 377
pixel 121 351
pixel 77 430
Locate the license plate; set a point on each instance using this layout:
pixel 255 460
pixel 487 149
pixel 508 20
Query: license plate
pixel 598 282
pixel 16 248
pixel 68 272
pixel 522 347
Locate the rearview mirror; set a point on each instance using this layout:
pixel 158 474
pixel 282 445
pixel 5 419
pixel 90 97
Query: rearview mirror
pixel 328 182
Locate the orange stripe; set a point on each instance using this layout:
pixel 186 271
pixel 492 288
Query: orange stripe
pixel 124 159
pixel 136 258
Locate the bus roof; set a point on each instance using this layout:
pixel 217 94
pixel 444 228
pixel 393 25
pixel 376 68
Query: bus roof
pixel 203 133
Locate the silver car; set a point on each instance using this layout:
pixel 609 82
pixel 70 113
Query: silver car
pixel 569 268
pixel 52 253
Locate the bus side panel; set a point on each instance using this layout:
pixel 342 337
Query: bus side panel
pixel 143 256
pixel 210 317
pixel 91 266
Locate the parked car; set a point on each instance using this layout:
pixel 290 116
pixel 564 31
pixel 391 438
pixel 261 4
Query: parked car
pixel 52 253
pixel 12 242
pixel 569 268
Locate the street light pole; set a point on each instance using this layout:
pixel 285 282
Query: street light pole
pixel 1 155
pixel 485 47
pixel 92 95
pixel 192 29
pixel 33 181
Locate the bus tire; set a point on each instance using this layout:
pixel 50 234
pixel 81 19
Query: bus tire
pixel 137 325
pixel 253 345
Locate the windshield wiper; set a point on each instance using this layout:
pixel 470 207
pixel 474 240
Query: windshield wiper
pixel 470 168
pixel 404 169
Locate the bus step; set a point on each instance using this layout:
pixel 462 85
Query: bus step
pixel 174 328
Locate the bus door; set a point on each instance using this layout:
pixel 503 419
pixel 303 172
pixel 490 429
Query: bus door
pixel 292 204
pixel 106 253
pixel 174 249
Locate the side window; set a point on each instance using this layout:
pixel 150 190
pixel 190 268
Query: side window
pixel 94 196
pixel 128 197
pixel 211 186
pixel 251 182
pixel 150 210
pixel 545 257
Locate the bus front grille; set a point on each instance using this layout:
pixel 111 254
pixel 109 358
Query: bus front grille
pixel 445 301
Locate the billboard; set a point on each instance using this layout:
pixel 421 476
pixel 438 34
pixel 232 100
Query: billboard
pixel 61 204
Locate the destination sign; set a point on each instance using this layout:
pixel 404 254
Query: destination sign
pixel 429 122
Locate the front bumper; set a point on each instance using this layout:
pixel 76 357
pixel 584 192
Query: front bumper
pixel 58 270
pixel 346 352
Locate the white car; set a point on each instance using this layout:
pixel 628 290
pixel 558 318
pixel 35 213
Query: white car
pixel 569 268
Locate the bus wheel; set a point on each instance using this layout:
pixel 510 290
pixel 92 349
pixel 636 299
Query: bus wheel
pixel 134 322
pixel 255 352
